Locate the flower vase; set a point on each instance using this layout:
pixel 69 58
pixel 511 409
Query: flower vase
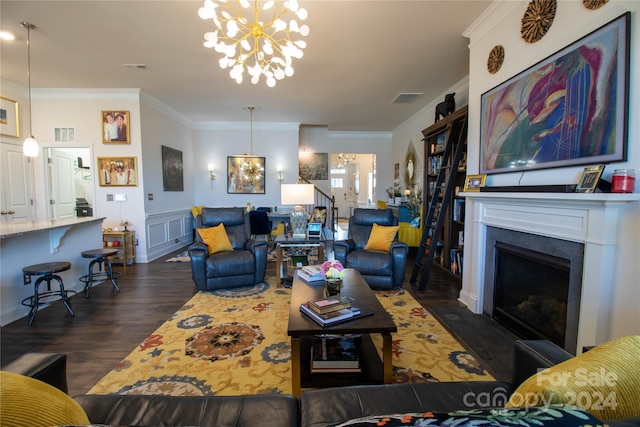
pixel 332 286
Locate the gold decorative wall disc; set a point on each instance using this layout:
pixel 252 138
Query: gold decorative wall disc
pixel 496 57
pixel 537 19
pixel 594 4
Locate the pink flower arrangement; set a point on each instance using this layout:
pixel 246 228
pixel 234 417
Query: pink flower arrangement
pixel 332 269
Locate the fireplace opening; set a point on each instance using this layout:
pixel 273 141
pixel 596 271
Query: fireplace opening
pixel 532 285
pixel 531 293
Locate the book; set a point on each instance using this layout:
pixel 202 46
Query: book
pixel 304 275
pixel 331 317
pixel 337 354
pixel 332 303
pixel 313 269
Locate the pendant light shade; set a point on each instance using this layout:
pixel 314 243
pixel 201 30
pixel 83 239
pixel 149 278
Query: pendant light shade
pixel 30 145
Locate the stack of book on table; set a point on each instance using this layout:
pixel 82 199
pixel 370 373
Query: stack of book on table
pixel 330 310
pixel 334 354
pixel 311 273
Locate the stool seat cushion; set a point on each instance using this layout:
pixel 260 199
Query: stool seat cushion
pixel 47 268
pixel 98 253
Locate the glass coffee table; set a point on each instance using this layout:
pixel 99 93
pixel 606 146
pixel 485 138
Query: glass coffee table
pixel 302 329
pixel 284 241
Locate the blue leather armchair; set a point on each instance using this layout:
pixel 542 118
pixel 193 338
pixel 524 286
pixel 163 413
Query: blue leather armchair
pixel 245 265
pixel 381 270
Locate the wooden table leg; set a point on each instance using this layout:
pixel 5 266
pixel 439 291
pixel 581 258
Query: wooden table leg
pixel 387 364
pixel 295 367
pixel 278 265
pixel 320 254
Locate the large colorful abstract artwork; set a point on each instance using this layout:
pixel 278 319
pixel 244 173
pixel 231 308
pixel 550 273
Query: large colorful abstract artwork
pixel 569 109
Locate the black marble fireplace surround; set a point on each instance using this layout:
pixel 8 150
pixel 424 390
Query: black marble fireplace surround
pixel 533 285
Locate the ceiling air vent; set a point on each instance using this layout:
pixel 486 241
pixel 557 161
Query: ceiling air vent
pixel 406 98
pixel 64 135
pixel 136 66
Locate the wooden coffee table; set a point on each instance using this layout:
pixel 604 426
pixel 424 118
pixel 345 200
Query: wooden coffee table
pixel 302 329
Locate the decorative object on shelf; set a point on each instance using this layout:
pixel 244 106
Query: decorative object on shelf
pixel 125 223
pixel 495 59
pixel 594 4
pixel 115 127
pixel 446 107
pixel 623 181
pixel 9 118
pixel 299 195
pixel 172 174
pixel 555 121
pixel 268 33
pixel 117 171
pixel 474 182
pixel 537 19
pixel 589 179
pixel 30 145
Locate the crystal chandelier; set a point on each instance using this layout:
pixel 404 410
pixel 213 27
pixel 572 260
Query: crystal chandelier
pixel 262 40
pixel 345 159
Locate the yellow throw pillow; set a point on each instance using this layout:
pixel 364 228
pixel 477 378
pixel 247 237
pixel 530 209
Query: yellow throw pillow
pixel 25 401
pixel 196 210
pixel 381 237
pixel 604 381
pixel 216 239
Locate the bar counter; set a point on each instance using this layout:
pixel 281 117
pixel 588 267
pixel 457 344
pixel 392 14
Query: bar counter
pixel 36 242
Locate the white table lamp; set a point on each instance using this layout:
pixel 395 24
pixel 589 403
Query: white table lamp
pixel 297 194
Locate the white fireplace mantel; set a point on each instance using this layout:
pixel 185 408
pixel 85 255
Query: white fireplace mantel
pixel 593 219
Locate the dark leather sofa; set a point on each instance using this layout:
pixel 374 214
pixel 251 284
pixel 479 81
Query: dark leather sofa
pixel 381 270
pixel 245 265
pixel 316 408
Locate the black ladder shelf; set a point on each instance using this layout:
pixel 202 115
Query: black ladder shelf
pixel 436 212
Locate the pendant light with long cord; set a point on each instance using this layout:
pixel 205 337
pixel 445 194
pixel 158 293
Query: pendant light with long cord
pixel 30 145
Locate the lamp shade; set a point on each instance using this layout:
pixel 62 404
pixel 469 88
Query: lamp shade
pixel 297 194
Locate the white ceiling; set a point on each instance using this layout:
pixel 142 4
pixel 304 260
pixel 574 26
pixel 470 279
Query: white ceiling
pixel 360 55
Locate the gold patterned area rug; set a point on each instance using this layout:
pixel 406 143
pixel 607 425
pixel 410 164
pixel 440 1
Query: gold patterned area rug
pixel 235 341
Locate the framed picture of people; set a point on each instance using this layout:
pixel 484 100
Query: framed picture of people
pixel 117 171
pixel 115 127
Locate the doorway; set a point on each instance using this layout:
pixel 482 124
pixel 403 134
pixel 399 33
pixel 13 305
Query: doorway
pixel 352 181
pixel 69 180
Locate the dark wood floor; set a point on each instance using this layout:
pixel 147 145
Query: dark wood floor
pixel 108 326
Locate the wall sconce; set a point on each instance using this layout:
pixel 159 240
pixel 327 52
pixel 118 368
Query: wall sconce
pixel 212 175
pixel 280 176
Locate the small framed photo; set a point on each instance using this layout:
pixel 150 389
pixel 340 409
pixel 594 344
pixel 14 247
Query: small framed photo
pixel 9 123
pixel 117 171
pixel 115 127
pixel 589 179
pixel 474 182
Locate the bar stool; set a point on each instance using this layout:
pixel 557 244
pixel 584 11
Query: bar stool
pixel 47 272
pixel 99 256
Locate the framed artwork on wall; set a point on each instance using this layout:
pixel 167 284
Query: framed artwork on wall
pixel 314 166
pixel 569 109
pixel 245 175
pixel 172 172
pixel 115 127
pixel 117 171
pixel 9 118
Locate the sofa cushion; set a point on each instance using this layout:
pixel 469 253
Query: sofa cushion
pixel 371 263
pixel 559 416
pixel 381 238
pixel 30 402
pixel 605 381
pixel 216 239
